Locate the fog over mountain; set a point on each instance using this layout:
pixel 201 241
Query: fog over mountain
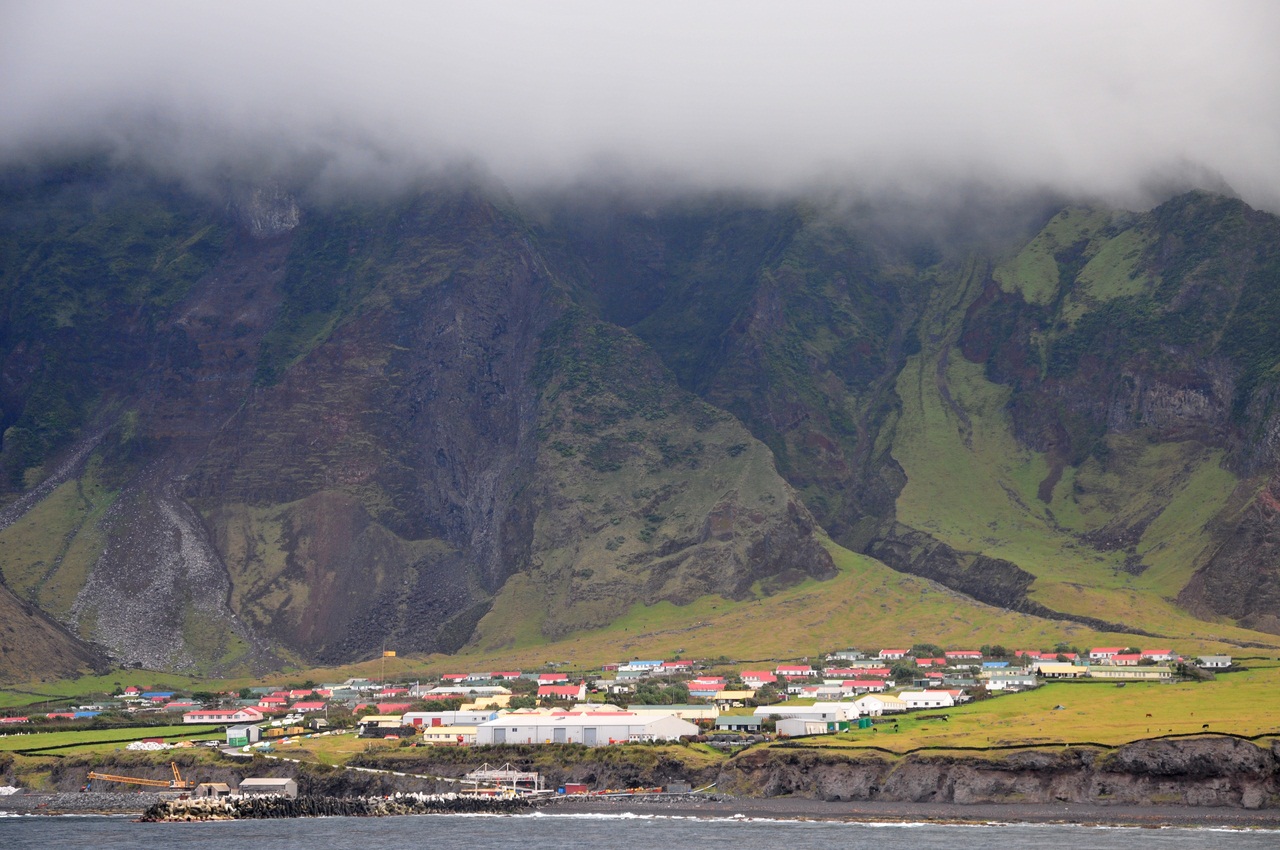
pixel 1116 100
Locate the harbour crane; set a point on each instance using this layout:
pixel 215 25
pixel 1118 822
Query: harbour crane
pixel 175 784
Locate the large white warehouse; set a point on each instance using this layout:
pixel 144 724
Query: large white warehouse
pixel 593 728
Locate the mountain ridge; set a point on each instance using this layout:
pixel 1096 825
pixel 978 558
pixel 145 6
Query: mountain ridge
pixel 323 428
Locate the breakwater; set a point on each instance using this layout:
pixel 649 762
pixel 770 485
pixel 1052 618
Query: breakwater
pixel 264 807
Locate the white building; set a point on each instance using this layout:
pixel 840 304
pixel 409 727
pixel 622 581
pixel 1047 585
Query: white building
pixel 1009 680
pixel 927 699
pixel 875 705
pixel 824 712
pixel 593 728
pixel 792 727
pixel 1214 662
pixel 460 735
pixel 283 786
pixel 447 718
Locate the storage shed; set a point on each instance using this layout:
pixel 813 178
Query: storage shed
pixel 281 785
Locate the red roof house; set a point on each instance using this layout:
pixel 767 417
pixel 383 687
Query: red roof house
pixel 574 692
pixel 759 677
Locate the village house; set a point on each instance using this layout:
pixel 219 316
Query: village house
pixel 823 692
pixel 1059 670
pixel 846 655
pixel 875 705
pixel 865 686
pixel 1213 662
pixel 632 673
pixel 927 699
pixel 758 677
pixel 460 736
pixel 893 654
pixel 963 655
pixel 738 723
pixel 613 687
pixel 1102 653
pixel 1009 680
pixel 732 699
pixel 794 671
pixel 706 686
pixel 572 692
pixel 675 668
pixel 449 691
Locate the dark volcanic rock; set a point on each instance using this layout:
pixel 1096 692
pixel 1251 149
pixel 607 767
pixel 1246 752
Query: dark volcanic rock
pixel 1214 771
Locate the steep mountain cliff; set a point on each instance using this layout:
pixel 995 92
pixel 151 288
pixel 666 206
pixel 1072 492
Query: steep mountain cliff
pixel 264 428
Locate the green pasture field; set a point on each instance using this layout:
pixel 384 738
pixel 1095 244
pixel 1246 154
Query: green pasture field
pixel 58 692
pixel 99 739
pixel 1241 703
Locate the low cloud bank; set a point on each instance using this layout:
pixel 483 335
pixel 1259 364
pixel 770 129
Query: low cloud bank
pixel 1120 100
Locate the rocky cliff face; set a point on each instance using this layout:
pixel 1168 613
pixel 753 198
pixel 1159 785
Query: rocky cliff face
pixel 357 426
pixel 1191 772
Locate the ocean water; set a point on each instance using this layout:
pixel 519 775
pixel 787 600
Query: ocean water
pixel 603 832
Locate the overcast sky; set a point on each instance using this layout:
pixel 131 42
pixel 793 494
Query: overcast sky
pixel 1091 97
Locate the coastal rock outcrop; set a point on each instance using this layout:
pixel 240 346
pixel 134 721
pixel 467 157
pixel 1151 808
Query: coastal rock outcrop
pixel 1205 771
